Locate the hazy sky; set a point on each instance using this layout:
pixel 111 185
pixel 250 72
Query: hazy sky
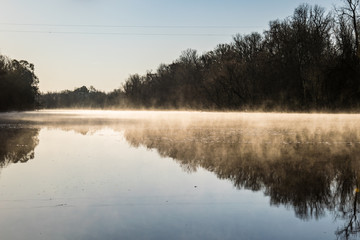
pixel 101 42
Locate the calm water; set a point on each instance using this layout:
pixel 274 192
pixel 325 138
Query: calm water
pixel 179 175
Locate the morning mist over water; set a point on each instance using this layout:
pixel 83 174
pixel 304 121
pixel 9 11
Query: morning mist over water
pixel 204 120
pixel 161 175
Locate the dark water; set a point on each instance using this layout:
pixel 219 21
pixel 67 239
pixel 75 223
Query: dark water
pixel 179 175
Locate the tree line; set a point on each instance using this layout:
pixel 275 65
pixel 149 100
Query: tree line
pixel 308 61
pixel 83 97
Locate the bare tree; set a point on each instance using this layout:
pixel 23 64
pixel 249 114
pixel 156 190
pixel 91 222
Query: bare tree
pixel 351 12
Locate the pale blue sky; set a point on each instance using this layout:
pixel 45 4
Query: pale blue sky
pixel 104 56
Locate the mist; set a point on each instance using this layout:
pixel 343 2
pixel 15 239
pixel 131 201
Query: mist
pixel 258 137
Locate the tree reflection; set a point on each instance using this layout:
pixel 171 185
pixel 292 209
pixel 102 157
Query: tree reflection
pixel 17 144
pixel 350 212
pixel 312 167
pixel 310 170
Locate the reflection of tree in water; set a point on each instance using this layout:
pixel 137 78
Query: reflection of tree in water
pixel 311 171
pixel 312 167
pixel 350 212
pixel 17 144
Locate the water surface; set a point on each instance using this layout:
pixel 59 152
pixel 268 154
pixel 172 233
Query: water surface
pixel 178 175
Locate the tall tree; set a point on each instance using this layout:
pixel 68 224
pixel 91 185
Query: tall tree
pixel 351 14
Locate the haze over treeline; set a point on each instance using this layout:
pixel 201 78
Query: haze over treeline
pixel 308 61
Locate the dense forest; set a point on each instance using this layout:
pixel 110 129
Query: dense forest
pixel 308 61
pixel 18 85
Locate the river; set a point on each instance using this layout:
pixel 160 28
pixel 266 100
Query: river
pixel 71 174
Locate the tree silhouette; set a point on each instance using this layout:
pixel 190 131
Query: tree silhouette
pixel 18 85
pixel 307 61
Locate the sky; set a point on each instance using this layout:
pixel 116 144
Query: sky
pixel 100 43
